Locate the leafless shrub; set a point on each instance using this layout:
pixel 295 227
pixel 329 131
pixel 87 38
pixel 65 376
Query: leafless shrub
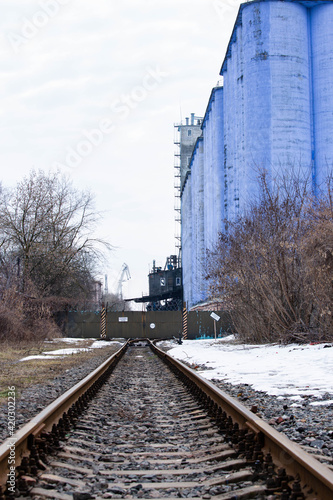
pixel 25 318
pixel 273 267
pixel 317 251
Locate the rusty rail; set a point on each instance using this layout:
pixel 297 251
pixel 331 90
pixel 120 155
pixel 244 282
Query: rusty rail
pixel 18 446
pixel 285 453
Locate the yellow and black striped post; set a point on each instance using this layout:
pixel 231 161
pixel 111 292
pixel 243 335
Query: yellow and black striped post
pixel 184 321
pixel 103 321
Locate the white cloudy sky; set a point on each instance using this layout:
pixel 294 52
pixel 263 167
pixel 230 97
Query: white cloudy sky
pixel 130 69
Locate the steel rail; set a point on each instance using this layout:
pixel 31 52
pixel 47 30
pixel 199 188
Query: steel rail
pixel 285 453
pixel 18 446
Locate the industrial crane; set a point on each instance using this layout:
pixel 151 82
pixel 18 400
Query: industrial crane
pixel 124 276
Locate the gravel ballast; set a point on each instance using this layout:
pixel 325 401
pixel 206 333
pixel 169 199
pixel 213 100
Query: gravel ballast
pixel 301 421
pixel 307 425
pixel 35 398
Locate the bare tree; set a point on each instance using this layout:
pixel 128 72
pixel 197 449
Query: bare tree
pixel 115 303
pixel 270 263
pixel 48 227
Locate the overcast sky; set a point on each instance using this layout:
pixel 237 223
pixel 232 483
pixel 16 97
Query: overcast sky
pixel 94 89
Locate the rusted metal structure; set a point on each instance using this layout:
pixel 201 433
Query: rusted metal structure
pixel 165 287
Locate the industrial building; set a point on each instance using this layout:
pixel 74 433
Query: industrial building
pixel 165 287
pixel 274 111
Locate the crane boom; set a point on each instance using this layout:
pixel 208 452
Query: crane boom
pixel 124 276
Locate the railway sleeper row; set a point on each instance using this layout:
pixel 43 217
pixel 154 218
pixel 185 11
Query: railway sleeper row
pixel 146 433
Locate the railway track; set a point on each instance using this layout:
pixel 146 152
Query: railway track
pixel 155 429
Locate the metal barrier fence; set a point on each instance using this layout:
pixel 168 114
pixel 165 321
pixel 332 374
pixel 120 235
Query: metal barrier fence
pixel 147 324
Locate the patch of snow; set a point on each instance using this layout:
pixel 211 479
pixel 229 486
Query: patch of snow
pixel 228 338
pixel 73 350
pixel 322 403
pixel 280 370
pixel 38 356
pixel 103 343
pixel 64 352
pixel 69 340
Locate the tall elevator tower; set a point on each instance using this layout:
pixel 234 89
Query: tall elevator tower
pixel 186 135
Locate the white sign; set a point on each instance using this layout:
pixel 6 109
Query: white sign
pixel 152 325
pixel 215 316
pixel 123 319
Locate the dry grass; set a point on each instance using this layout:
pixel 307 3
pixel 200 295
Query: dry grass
pixel 22 374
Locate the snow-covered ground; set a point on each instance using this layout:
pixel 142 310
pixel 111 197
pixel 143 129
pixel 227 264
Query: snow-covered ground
pixel 292 370
pixel 73 350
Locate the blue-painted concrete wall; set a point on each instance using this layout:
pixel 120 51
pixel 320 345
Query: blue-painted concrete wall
pixel 267 80
pixel 275 111
pixel 198 232
pixel 202 201
pixel 186 239
pixel 212 133
pixel 322 67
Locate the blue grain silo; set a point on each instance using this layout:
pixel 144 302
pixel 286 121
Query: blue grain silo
pixel 213 144
pixel 198 232
pixel 322 89
pixel 186 239
pixel 202 200
pixel 278 81
pixel 274 112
